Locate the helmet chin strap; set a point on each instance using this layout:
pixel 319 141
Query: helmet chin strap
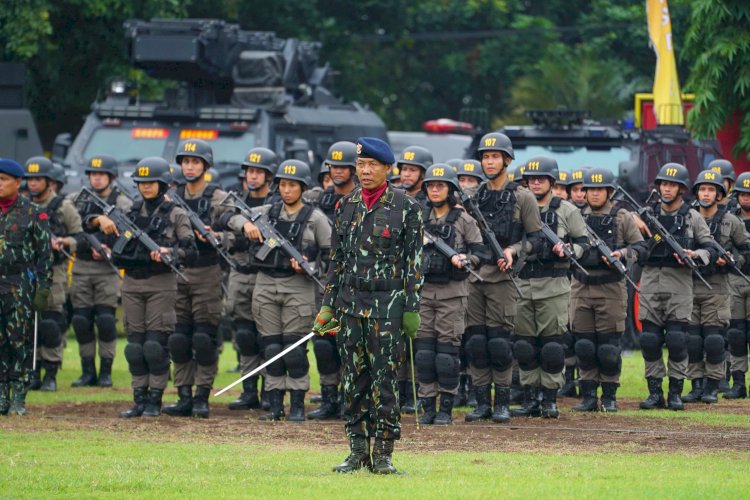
pixel 704 204
pixel 438 204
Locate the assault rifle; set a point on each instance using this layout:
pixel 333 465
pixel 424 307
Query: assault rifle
pixel 200 226
pixel 658 232
pixel 129 231
pixel 449 252
pixel 95 244
pixel 489 235
pixel 606 252
pixel 554 239
pixel 271 237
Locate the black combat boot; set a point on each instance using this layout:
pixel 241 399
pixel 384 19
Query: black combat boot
pixel 200 402
pixel 381 457
pixel 105 372
pixel 35 378
pixel 140 396
pixel 609 397
pixel 428 407
pixel 674 401
pixel 17 398
pixel 49 383
pixel 738 390
pixel 516 390
pixel 463 387
pixel 248 400
pixel 483 410
pixel 296 406
pixel 184 405
pixel 265 403
pixel 589 401
pixel 695 394
pixel 329 407
pixel 276 409
pixel 359 455
pixel 724 382
pixel 4 398
pixel 549 403
pixel 153 403
pixel 569 389
pixel 501 411
pixel 530 406
pixel 655 399
pixel 445 415
pixel 710 391
pixel 88 375
pixel 408 406
pixel 471 393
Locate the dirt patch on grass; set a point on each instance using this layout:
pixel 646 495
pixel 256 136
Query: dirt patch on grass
pixel 571 433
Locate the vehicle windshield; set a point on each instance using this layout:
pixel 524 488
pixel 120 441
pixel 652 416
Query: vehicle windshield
pixel 125 144
pixel 570 158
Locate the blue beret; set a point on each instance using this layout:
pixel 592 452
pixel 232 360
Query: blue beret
pixel 372 147
pixel 11 167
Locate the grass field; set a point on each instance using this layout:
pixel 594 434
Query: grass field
pixel 72 445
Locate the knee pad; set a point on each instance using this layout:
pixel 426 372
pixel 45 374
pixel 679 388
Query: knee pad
pixel 737 323
pixel 476 346
pixel 106 323
pixel 49 332
pixel 296 362
pixel 424 363
pixel 135 359
pixel 501 353
pixel 586 354
pixel 552 357
pixel 526 354
pixel 650 327
pixel 180 347
pixel 247 341
pixel 204 347
pixel 677 345
pixel 137 338
pixel 610 362
pixel 81 321
pixel 184 329
pixel 737 342
pixel 612 338
pixel 155 353
pixel 447 365
pixel 714 347
pixel 651 344
pixel 695 348
pixel 326 355
pixel 277 368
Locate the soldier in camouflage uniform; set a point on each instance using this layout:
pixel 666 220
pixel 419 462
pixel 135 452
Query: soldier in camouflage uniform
pixel 258 169
pixel 738 335
pixel 25 281
pixel 65 225
pixel 95 284
pixel 373 292
pixel 711 308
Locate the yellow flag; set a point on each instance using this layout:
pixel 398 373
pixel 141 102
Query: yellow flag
pixel 667 101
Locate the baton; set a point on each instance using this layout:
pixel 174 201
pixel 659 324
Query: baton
pixel 36 323
pixel 278 356
pixel 414 382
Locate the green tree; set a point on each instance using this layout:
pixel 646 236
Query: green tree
pixel 719 45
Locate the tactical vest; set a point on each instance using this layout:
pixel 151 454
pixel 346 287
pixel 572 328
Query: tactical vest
pixel 714 227
pixel 202 206
pixel 86 209
pixel 543 265
pixel 276 263
pixel 662 254
pixel 134 257
pixel 746 222
pixel 327 203
pixel 55 224
pixel 498 207
pixel 605 226
pixel 13 227
pixel 437 268
pixel 378 242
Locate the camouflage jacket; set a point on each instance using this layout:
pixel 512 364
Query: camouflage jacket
pixel 25 248
pixel 376 256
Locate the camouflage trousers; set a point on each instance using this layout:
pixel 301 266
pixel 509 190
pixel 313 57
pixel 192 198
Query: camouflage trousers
pixel 16 334
pixel 371 350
